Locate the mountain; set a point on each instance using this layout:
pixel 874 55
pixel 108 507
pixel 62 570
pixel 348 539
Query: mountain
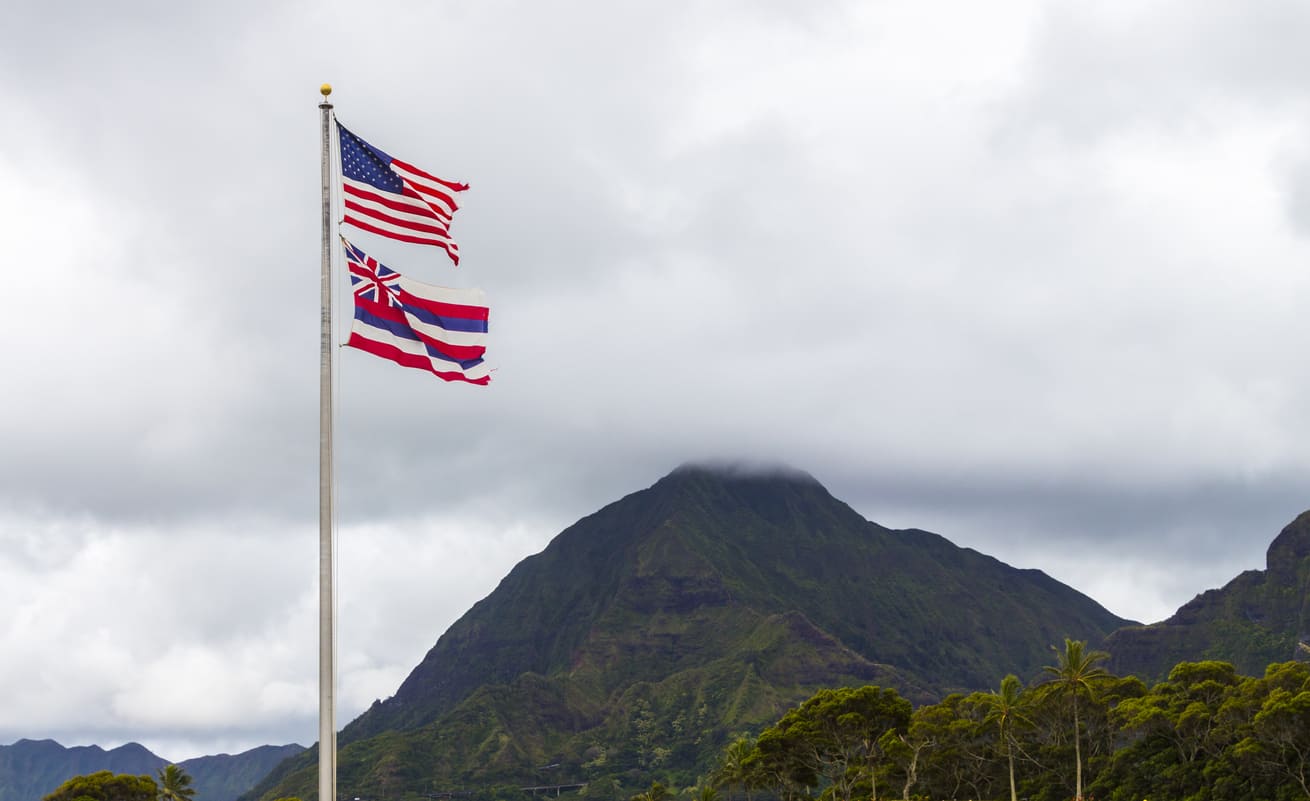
pixel 1256 619
pixel 647 634
pixel 225 777
pixel 29 769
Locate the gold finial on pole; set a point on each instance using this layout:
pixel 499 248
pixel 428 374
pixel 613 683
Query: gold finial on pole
pixel 325 89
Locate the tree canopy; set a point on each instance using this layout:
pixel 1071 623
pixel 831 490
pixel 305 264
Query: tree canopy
pixel 1204 734
pixel 106 786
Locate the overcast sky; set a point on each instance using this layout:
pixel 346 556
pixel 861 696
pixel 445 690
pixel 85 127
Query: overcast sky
pixel 1032 275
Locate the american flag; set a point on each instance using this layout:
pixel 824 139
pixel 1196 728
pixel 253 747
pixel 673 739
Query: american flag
pixel 391 198
pixel 433 328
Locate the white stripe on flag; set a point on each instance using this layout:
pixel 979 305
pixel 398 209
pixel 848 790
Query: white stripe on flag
pixel 417 348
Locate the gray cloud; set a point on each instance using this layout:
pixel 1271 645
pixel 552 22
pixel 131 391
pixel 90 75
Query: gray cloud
pixel 1096 71
pixel 1031 281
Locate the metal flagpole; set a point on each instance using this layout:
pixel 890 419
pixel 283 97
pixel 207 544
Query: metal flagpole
pixel 327 728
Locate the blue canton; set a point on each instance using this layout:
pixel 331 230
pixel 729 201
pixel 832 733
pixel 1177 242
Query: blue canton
pixel 362 162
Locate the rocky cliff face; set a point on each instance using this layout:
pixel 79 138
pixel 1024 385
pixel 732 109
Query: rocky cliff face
pixel 1257 618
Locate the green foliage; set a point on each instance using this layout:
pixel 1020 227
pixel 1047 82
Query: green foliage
pixel 1205 734
pixel 835 740
pixel 175 784
pixel 657 792
pixel 105 786
pixel 1075 674
pixel 1007 710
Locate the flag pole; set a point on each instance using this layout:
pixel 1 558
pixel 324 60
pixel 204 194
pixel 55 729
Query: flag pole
pixel 327 728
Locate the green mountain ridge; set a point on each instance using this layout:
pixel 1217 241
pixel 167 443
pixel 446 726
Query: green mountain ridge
pixel 29 769
pixel 647 634
pixel 1258 618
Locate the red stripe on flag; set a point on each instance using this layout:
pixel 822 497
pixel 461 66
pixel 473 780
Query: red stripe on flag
pixel 392 353
pixel 406 202
pixel 459 310
pixel 358 211
pixel 445 207
pixel 450 247
pixel 451 185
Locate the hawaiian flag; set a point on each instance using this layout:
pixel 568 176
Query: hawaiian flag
pixel 391 198
pixel 433 328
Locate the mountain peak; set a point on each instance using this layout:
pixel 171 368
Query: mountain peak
pixel 700 607
pixel 740 469
pixel 132 749
pixel 1290 547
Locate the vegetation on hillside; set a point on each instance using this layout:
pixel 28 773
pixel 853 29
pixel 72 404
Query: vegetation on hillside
pixel 674 575
pixel 1206 733
pixel 1258 618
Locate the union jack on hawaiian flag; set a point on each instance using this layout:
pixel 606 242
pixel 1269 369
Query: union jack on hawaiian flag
pixel 433 328
pixel 371 279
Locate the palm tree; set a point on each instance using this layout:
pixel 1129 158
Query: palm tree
pixel 657 792
pixel 1006 709
pixel 175 784
pixel 1076 673
pixel 734 767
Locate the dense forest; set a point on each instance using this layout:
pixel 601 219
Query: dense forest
pixel 1206 733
